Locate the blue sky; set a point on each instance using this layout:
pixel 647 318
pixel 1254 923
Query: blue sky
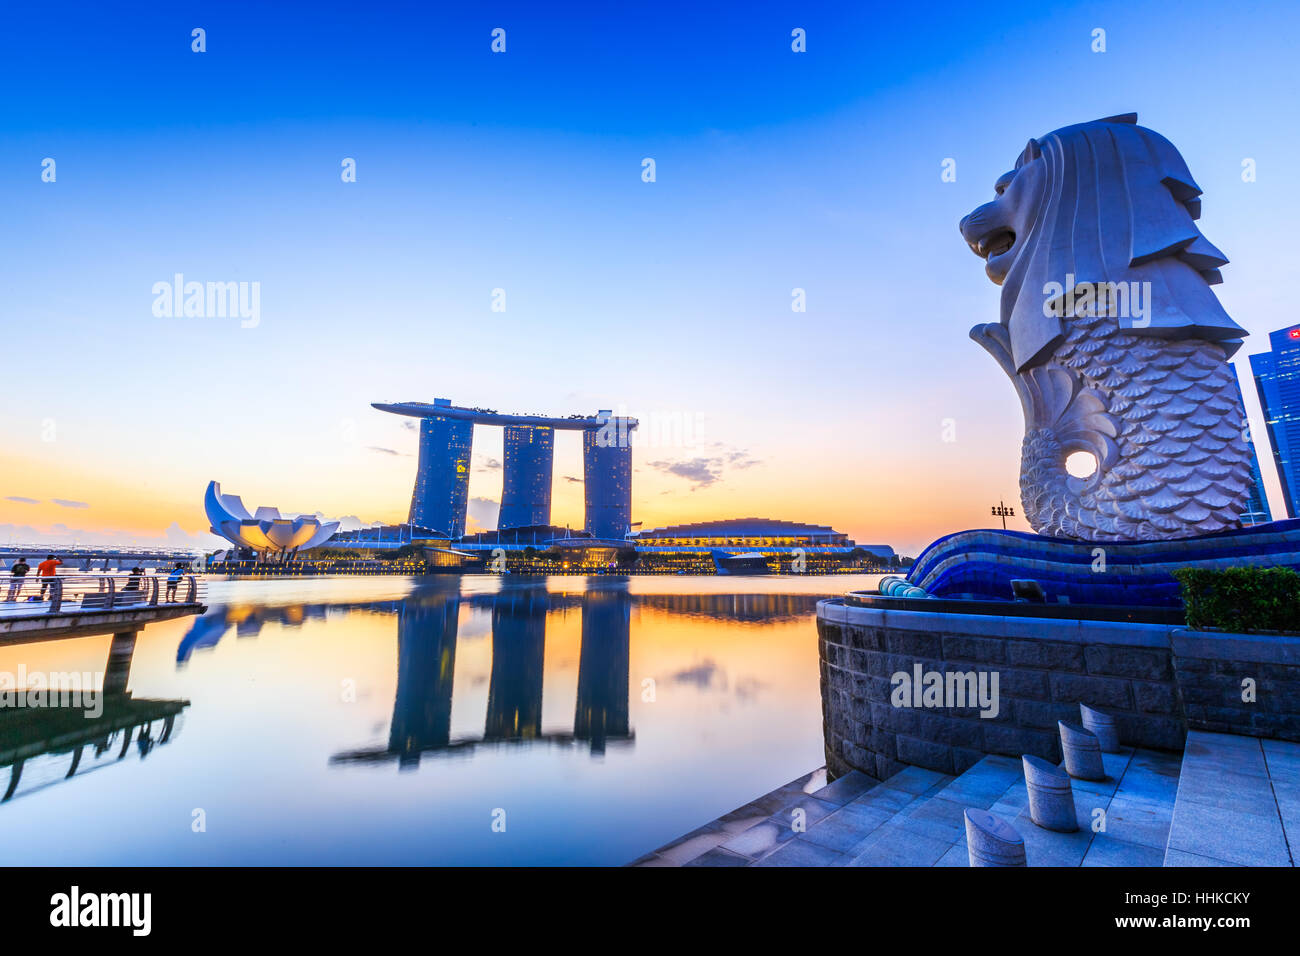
pixel 522 171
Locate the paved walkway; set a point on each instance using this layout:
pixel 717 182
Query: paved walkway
pixel 1238 802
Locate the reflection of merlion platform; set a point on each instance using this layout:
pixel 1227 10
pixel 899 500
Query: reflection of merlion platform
pixel 46 744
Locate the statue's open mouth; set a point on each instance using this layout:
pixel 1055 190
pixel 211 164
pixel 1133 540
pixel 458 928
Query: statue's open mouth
pixel 995 244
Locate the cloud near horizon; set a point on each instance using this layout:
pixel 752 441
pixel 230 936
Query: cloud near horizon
pixel 482 514
pixel 59 534
pixel 705 470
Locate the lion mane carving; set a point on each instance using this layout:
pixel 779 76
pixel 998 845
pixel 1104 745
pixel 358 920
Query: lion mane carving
pixel 1113 338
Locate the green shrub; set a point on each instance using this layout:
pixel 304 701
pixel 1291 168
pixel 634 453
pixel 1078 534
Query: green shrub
pixel 1241 599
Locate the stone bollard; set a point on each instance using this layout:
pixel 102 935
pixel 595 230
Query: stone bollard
pixel 991 841
pixel 1082 752
pixel 1103 725
pixel 1051 801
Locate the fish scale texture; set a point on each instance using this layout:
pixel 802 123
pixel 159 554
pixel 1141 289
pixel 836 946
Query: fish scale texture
pixel 1181 465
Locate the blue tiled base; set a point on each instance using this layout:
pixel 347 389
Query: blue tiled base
pixel 980 565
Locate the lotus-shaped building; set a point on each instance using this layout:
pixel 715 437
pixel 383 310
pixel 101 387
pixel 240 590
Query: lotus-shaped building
pixel 265 531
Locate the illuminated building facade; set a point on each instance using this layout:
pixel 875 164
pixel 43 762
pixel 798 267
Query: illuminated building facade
pixel 441 495
pixel 786 545
pixel 527 470
pixel 757 533
pixel 607 477
pixel 1277 379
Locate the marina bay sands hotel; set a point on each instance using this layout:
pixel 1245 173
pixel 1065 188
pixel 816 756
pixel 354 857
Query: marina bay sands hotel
pixel 441 494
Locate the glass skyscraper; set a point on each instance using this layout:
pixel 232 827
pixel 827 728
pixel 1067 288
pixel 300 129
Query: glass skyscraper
pixel 1277 379
pixel 607 476
pixel 526 476
pixel 441 494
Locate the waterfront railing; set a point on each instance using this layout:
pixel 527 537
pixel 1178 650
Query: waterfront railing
pixel 71 593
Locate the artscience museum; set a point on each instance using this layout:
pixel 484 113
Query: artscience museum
pixel 265 531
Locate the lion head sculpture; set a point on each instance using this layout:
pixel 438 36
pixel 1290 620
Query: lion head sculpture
pixel 1104 214
pixel 1101 202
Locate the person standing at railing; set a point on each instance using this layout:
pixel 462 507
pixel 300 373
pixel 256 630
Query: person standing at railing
pixel 174 580
pixel 46 572
pixel 135 580
pixel 17 574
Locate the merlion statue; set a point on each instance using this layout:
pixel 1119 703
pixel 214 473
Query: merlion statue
pixel 1113 338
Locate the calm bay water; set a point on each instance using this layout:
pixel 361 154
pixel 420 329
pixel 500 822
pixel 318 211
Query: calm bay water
pixel 391 720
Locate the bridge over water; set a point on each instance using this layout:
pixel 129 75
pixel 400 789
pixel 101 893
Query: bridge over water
pixel 77 605
pixel 98 558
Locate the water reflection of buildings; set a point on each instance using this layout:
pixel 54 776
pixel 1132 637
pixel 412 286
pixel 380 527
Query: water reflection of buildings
pixel 601 712
pixel 427 623
pixel 46 745
pixel 426 657
pixel 514 709
pixel 426 668
pixel 743 608
pixel 248 621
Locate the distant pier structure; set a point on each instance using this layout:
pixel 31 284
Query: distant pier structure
pixel 440 498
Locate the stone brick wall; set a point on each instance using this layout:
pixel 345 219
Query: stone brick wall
pixel 1155 679
pixel 1216 672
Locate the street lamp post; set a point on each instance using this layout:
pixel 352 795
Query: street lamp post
pixel 1002 511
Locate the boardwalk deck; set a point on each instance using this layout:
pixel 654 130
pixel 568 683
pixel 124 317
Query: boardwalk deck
pixel 93 604
pixel 20 629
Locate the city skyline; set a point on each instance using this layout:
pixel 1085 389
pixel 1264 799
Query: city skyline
pixel 669 300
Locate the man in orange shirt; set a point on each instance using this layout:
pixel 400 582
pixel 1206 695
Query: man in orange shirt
pixel 45 571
